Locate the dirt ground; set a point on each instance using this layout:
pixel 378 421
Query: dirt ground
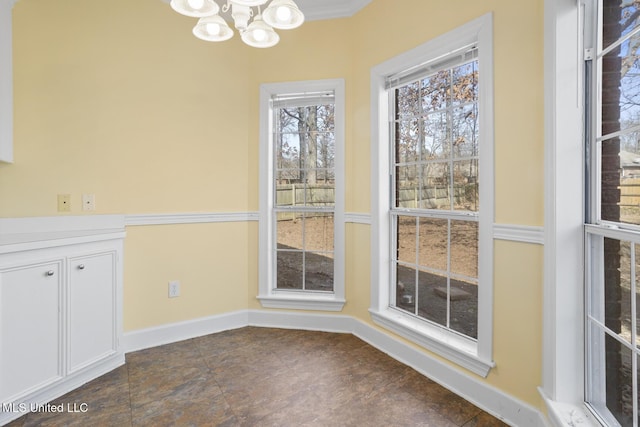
pixel 314 234
pixel 423 278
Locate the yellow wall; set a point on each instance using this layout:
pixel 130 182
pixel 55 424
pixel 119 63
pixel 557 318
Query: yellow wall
pixel 118 99
pixel 518 321
pixel 211 261
pixel 382 33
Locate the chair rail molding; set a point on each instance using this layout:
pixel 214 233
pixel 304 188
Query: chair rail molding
pixel 519 233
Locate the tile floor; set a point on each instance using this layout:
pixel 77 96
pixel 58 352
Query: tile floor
pixel 264 377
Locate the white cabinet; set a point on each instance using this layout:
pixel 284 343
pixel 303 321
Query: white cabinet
pixel 60 306
pixel 30 327
pixel 92 309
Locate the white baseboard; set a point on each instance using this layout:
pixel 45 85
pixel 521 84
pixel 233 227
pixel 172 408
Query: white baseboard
pixel 300 320
pixel 174 332
pixel 490 399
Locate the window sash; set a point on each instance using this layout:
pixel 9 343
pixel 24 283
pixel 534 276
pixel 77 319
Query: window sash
pixel 415 75
pixel 475 356
pixel 446 271
pixel 282 298
pixel 275 97
pixel 459 57
pixel 280 102
pixel 600 282
pixel 448 60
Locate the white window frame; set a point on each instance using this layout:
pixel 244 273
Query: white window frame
pixel 474 355
pixel 597 230
pixel 6 81
pixel 562 387
pixel 269 296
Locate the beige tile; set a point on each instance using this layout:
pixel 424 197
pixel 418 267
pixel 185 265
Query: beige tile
pixel 484 420
pixel 264 377
pixel 17 423
pixel 202 409
pixel 111 416
pixel 171 385
pixel 109 391
pixel 436 397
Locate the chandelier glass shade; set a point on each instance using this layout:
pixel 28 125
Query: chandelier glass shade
pixel 195 8
pixel 256 28
pixel 283 15
pixel 212 29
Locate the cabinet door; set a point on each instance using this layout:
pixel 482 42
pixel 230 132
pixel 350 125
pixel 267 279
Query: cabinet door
pixel 92 310
pixel 30 328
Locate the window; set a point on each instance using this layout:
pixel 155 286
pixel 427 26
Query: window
pixel 302 211
pixel 613 212
pixel 433 158
pixel 434 214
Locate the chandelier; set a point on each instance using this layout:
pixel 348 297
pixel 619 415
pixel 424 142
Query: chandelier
pixel 280 14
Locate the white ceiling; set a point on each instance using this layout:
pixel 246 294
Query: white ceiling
pixel 325 9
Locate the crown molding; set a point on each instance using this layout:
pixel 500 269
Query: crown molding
pixel 330 9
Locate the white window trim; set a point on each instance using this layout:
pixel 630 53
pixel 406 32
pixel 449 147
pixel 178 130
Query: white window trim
pixel 299 300
pixel 476 356
pixel 6 81
pixel 563 321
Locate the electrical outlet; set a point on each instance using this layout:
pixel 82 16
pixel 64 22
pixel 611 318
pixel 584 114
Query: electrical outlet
pixel 174 289
pixel 64 202
pixel 88 202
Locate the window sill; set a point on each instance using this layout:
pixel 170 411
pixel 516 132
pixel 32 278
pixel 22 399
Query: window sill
pixel 454 348
pixel 300 301
pixel 564 414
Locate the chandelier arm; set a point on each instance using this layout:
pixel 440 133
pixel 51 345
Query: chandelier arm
pixel 226 7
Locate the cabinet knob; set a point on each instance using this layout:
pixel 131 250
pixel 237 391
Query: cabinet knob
pixel 81 267
pixel 50 273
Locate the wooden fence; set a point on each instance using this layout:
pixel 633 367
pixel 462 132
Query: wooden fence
pixel 298 195
pixel 438 197
pixel 630 200
pixel 305 195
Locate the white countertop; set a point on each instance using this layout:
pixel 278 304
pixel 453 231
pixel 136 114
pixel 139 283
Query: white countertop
pixel 21 234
